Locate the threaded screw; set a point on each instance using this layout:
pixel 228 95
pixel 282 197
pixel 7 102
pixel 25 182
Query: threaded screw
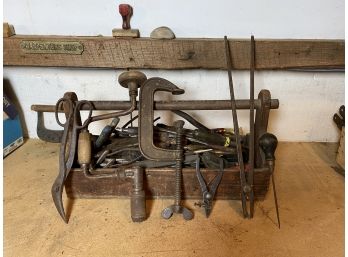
pixel 178 165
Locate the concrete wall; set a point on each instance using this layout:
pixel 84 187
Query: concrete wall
pixel 307 99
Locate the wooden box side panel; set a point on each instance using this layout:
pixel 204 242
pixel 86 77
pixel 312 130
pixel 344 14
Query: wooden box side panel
pixel 161 184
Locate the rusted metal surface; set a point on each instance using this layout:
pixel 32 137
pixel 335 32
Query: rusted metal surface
pixel 146 144
pixel 245 188
pixel 168 105
pixel 261 124
pixel 109 164
pixel 178 206
pixel 252 127
pixel 138 204
pixel 208 191
pixel 45 134
pixel 73 125
pixel 66 155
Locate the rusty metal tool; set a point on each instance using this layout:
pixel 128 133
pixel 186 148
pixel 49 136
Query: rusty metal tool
pixel 138 201
pixel 138 210
pixel 268 143
pixel 57 187
pixel 252 128
pixel 146 144
pixel 146 114
pixel 245 188
pixel 209 193
pixel 48 135
pixel 177 207
pixel 67 148
pixel 131 80
pixel 241 104
pixel 192 120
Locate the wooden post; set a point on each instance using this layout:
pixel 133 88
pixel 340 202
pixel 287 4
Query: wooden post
pixel 8 30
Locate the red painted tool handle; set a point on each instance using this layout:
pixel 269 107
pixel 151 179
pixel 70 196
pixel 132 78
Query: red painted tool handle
pixel 126 12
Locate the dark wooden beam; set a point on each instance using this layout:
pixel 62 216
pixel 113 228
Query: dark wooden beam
pixel 160 183
pixel 146 53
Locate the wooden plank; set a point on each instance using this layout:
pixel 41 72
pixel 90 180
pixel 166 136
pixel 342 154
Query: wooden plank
pixel 160 183
pixel 8 30
pixel 146 53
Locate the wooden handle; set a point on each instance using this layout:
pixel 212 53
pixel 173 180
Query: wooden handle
pixel 126 12
pixel 84 151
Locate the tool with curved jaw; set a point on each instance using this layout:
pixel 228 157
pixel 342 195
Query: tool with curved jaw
pixel 72 107
pixel 146 144
pixel 64 160
pixel 67 148
pixel 146 114
pixel 208 192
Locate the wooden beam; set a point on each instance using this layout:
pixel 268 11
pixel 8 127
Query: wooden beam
pixel 146 53
pixel 160 183
pixel 8 30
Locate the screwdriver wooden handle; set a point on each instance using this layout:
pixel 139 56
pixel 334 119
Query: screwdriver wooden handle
pixel 84 148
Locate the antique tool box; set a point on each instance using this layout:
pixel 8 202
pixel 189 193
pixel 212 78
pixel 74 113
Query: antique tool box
pixel 155 160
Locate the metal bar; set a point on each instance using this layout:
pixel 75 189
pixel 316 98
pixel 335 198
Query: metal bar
pixel 252 126
pixel 163 105
pixel 236 127
pixel 171 170
pixel 275 199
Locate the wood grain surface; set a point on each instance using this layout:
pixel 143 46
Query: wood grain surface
pixel 310 194
pixel 146 53
pixel 160 183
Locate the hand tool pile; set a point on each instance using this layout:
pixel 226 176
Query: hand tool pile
pixel 126 152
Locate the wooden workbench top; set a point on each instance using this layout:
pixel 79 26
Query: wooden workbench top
pixel 310 194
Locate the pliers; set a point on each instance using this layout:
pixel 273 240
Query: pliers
pixel 208 192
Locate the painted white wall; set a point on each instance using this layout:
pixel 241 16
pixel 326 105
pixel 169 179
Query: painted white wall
pixel 307 99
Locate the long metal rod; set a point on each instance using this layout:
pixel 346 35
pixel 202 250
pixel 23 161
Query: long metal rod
pixel 149 167
pixel 163 105
pixel 252 125
pixel 275 199
pixel 236 127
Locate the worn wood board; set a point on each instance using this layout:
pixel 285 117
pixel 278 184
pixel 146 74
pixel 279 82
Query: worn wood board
pixel 160 183
pixel 310 194
pixel 194 53
pixel 8 30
